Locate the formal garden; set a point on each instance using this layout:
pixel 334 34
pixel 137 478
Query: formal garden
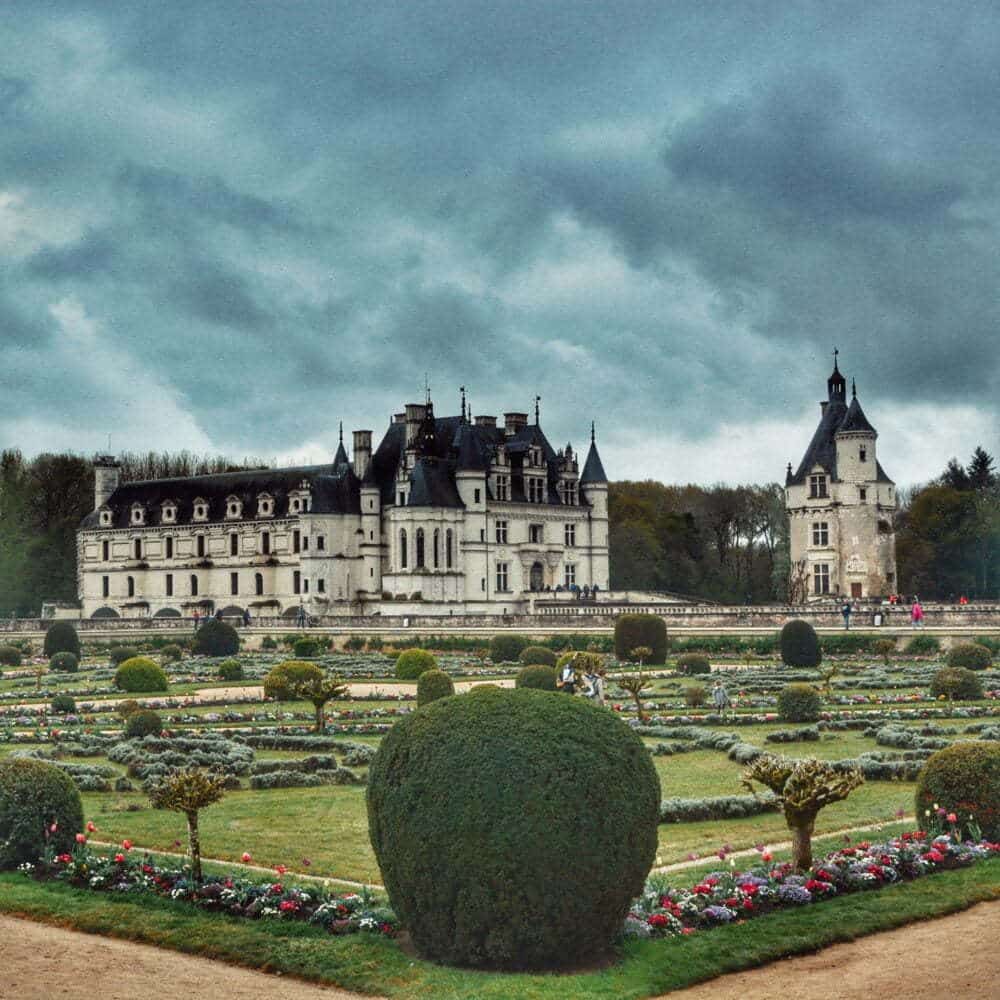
pixel 439 818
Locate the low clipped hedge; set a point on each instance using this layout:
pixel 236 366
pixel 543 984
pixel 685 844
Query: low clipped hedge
pixel 64 663
pixel 61 637
pixel 539 872
pixel 799 645
pixel 230 670
pixel 963 779
pixel 956 684
pixel 537 656
pixel 799 703
pixel 119 654
pixel 140 675
pixel 63 704
pixel 507 648
pixel 216 638
pixel 635 631
pixel 537 676
pixel 411 663
pixel 432 685
pixel 145 722
pixel 10 656
pixel 970 655
pixel 694 663
pixel 34 796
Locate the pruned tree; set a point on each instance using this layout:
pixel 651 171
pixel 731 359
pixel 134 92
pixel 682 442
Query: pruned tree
pixel 635 684
pixel 189 792
pixel 297 680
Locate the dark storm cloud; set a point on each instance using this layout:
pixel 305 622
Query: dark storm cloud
pixel 665 215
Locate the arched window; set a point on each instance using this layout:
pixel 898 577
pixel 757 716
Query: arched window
pixel 420 548
pixel 437 548
pixel 448 539
pixel 258 583
pixel 402 549
pixel 194 585
pixel 131 586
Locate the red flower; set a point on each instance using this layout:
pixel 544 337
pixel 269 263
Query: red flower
pixel 288 906
pixel 766 857
pixel 687 930
pixel 657 920
pixel 245 857
pixel 127 845
pixel 747 904
pixel 952 818
pixel 64 859
pixel 81 838
pixel 280 869
pixel 91 828
pixel 119 858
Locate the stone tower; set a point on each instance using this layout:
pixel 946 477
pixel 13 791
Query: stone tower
pixel 107 473
pixel 840 506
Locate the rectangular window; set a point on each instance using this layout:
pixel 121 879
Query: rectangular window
pixel 305 543
pixel 502 578
pixel 201 546
pixel 862 494
pixel 106 550
pixel 817 486
pixel 821 578
pixel 138 548
pixel 501 532
pixel 478 495
pixel 503 488
pixel 536 534
pixel 234 544
pixel 194 585
pixel 105 586
pixel 402 499
pixel 321 543
pixel 321 585
pixel 265 542
pixel 482 583
pixel 131 586
pixel 570 535
pixel 821 533
pixel 569 575
pixel 234 583
pixel 170 585
pixel 305 586
pixel 168 547
pixel 296 582
pixel 296 541
pixel 482 534
pixel 863 454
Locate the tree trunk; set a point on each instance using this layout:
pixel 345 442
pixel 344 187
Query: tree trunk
pixel 192 818
pixel 802 832
pixel 320 717
pixel 638 707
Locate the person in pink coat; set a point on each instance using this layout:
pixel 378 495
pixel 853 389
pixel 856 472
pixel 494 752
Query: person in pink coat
pixel 917 614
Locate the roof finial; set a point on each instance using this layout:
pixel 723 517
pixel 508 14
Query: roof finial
pixel 341 431
pixel 462 387
pixel 538 399
pixel 835 353
pixel 592 434
pixel 854 389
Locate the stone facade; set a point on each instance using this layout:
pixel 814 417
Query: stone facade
pixel 447 516
pixel 841 506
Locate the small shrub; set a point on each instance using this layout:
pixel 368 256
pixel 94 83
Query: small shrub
pixel 923 645
pixel 61 637
pixel 63 704
pixel 433 684
pixel 799 703
pixel 216 638
pixel 956 684
pixel 171 653
pixel 119 654
pixel 537 676
pixel 537 656
pixel 230 670
pixel 963 779
pixel 355 643
pixel 305 647
pixel 140 674
pixel 694 696
pixel 693 663
pixel 269 642
pixel 64 663
pixel 506 648
pixel 10 656
pixel 970 655
pixel 145 722
pixel 34 795
pixel 799 645
pixel 634 632
pixel 884 648
pixel 126 707
pixel 411 663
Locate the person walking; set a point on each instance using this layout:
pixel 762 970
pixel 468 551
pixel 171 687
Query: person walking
pixel 917 614
pixel 720 697
pixel 846 612
pixel 300 620
pixel 567 678
pixel 595 684
pixel 246 618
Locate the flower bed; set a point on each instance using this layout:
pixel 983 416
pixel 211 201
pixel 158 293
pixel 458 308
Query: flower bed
pixel 724 897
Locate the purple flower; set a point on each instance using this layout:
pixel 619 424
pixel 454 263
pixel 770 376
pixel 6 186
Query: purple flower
pixel 719 914
pixel 794 894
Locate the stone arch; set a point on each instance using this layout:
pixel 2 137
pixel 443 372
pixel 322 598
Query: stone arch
pixel 105 612
pixel 167 613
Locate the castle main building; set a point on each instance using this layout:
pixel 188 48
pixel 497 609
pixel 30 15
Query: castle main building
pixel 447 515
pixel 840 506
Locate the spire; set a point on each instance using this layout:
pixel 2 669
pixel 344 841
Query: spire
pixel 538 399
pixel 854 389
pixel 341 431
pixel 462 387
pixel 593 468
pixel 836 384
pixel 341 457
pixel 592 436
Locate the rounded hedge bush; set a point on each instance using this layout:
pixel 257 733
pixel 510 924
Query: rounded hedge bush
pixel 61 637
pixel 140 674
pixel 63 704
pixel 34 795
pixel 537 656
pixel 64 663
pixel 269 642
pixel 507 648
pixel 970 655
pixel 216 638
pixel 694 663
pixel 281 680
pixel 411 663
pixel 145 722
pixel 494 857
pixel 956 684
pixel 432 685
pixel 694 696
pixel 10 656
pixel 799 703
pixel 119 654
pixel 635 631
pixel 305 647
pixel 799 645
pixel 126 707
pixel 537 676
pixel 963 779
pixel 171 653
pixel 230 670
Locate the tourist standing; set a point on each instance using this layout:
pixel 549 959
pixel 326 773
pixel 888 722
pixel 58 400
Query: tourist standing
pixel 197 620
pixel 300 620
pixel 595 685
pixel 846 612
pixel 917 614
pixel 567 678
pixel 246 618
pixel 720 697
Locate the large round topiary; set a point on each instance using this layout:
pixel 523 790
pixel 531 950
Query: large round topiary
pixel 119 654
pixel 956 684
pixel 799 703
pixel 34 796
pixel 513 828
pixel 970 655
pixel 64 663
pixel 304 647
pixel 535 655
pixel 537 676
pixel 140 674
pixel 10 656
pixel 145 722
pixel 411 663
pixel 432 685
pixel 799 645
pixel 216 638
pixel 693 663
pixel 963 779
pixel 61 637
pixel 62 704
pixel 506 648
pixel 634 632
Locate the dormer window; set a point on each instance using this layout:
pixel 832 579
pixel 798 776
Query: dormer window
pixel 265 505
pixel 105 518
pixel 138 514
pixel 300 501
pixel 817 486
pixel 200 509
pixel 168 512
pixel 234 507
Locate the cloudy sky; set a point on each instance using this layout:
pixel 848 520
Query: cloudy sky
pixel 228 226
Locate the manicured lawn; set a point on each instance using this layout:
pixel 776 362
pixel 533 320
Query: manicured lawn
pixel 373 965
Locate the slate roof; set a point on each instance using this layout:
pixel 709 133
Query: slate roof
pixel 593 469
pixel 855 419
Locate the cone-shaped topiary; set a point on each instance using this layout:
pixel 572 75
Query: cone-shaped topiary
pixel 61 637
pixel 963 779
pixel 532 655
pixel 513 828
pixel 411 663
pixel 140 674
pixel 216 638
pixel 64 663
pixel 970 655
pixel 432 685
pixel 39 806
pixel 799 645
pixel 634 632
pixel 537 676
pixel 799 703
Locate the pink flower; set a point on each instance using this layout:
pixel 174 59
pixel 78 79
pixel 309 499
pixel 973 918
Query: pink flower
pixel 952 818
pixel 127 845
pixel 81 838
pixel 91 828
pixel 245 857
pixel 53 828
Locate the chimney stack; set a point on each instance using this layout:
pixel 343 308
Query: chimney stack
pixel 107 472
pixel 415 413
pixel 361 454
pixel 513 422
pixel 484 421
